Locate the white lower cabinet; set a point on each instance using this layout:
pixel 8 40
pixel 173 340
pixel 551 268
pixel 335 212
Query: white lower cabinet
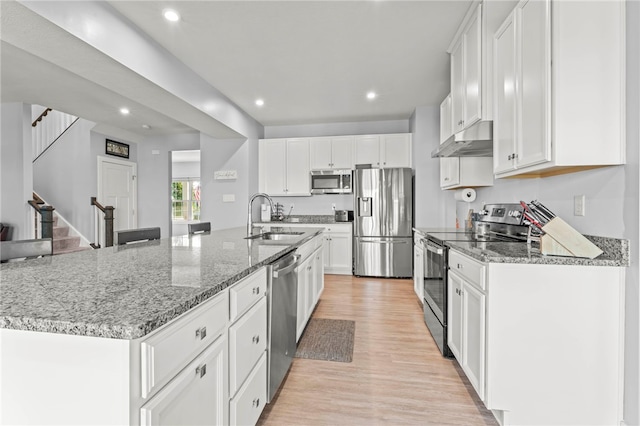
pixel 473 317
pixel 310 282
pixel 245 408
pixel 195 396
pixel 454 316
pixel 338 246
pixel 418 269
pixel 247 343
pixel 527 335
pixel 248 353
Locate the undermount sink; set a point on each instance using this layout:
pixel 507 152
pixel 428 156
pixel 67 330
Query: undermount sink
pixel 275 236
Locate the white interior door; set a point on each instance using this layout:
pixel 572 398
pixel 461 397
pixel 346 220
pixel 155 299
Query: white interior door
pixel 117 187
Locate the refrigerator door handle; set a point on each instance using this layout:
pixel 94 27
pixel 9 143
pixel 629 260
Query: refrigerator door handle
pixel 365 240
pixel 364 206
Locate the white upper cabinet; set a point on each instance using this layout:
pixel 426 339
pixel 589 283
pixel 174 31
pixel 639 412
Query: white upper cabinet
pixel 284 167
pixel 331 153
pixel 552 120
pixel 384 151
pixel 458 172
pixel 466 73
pixel 446 119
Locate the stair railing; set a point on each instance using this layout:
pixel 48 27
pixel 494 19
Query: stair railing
pixel 46 216
pixel 46 132
pixel 108 224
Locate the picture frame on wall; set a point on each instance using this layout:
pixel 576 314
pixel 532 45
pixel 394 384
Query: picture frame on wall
pixel 118 149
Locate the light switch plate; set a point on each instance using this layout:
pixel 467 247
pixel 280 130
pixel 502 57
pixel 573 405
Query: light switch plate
pixel 579 205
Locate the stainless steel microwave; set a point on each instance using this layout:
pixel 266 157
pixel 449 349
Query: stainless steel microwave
pixel 331 182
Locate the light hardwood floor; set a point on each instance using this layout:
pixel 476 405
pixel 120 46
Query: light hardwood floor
pixel 397 376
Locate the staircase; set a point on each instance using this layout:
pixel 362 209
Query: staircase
pixel 63 242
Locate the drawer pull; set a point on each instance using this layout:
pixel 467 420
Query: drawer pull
pixel 201 333
pixel 256 339
pixel 256 402
pixel 201 370
pixel 459 266
pixel 256 290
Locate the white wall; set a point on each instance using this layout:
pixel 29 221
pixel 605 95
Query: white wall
pixel 322 203
pixel 16 181
pixel 429 199
pixel 154 178
pixel 219 155
pixel 185 169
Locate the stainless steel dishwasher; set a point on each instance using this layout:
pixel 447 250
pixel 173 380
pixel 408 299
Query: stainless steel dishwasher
pixel 283 312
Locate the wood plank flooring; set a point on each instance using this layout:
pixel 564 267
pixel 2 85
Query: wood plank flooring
pixel 397 376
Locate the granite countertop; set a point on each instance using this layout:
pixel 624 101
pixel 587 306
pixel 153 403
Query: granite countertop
pixel 616 252
pixel 125 292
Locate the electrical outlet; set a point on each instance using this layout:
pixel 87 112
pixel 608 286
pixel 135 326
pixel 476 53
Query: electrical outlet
pixel 579 205
pixel 333 206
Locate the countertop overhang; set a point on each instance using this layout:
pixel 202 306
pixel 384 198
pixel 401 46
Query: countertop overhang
pixel 125 292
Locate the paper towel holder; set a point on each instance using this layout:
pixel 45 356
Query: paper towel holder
pixel 467 195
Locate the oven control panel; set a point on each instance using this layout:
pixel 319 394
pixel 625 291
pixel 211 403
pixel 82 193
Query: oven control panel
pixel 509 214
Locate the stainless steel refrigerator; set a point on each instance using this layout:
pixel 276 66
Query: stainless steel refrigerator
pixel 383 244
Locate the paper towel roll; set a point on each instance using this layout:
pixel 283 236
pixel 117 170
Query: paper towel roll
pixel 467 195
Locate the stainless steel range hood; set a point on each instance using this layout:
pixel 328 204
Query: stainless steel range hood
pixel 476 141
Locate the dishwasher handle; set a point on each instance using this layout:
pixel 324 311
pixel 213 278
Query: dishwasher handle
pixel 283 271
pixel 429 246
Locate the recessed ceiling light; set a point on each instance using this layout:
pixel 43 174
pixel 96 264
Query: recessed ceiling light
pixel 371 95
pixel 259 102
pixel 171 15
pixel 124 111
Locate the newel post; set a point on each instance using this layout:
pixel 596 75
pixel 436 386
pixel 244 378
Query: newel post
pixel 108 226
pixel 46 214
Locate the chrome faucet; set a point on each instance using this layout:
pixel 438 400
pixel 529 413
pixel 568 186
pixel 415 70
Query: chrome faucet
pixel 249 212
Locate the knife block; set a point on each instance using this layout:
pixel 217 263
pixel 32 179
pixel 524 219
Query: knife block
pixel 560 239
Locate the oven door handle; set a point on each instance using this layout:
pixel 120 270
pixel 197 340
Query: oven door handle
pixel 432 247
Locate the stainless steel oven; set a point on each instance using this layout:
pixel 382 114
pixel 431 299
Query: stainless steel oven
pixel 503 223
pixel 435 292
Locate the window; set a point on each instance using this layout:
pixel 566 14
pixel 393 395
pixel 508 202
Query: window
pixel 185 199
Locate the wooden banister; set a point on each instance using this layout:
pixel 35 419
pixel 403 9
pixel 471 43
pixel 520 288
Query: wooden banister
pixel 40 117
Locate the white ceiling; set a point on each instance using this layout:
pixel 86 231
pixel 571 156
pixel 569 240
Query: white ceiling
pixel 311 61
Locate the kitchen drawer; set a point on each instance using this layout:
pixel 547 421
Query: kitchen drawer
pixel 196 396
pixel 307 248
pixel 166 352
pixel 247 292
pixel 470 269
pixel 245 408
pixel 247 342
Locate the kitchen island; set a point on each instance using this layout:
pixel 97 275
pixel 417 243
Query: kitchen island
pixel 78 331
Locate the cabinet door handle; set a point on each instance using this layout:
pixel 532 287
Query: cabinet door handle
pixel 459 266
pixel 256 339
pixel 201 333
pixel 256 402
pixel 256 290
pixel 201 370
